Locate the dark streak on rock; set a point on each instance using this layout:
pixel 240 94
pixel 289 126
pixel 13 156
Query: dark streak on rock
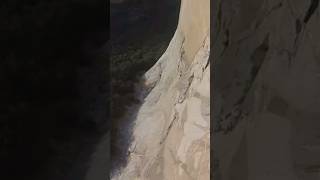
pixel 298 26
pixel 208 62
pixel 219 16
pixel 169 128
pixel 257 58
pixel 298 30
pixel 313 6
pixel 226 42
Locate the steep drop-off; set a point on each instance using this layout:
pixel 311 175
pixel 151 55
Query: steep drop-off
pixel 171 131
pixel 137 42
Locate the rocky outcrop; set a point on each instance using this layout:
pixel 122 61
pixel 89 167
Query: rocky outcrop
pixel 172 128
pixel 266 100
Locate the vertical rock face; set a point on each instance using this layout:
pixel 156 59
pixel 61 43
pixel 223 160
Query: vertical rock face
pixel 266 101
pixel 172 128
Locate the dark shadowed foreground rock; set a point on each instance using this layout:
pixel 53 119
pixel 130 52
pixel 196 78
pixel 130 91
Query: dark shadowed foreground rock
pixel 266 90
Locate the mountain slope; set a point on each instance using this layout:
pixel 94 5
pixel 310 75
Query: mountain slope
pixel 171 132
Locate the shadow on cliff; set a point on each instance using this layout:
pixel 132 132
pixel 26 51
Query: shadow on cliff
pixel 140 35
pixel 47 64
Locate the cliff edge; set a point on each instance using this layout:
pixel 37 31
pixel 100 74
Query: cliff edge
pixel 172 128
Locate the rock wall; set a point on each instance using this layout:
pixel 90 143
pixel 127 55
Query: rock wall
pixel 172 127
pixel 266 84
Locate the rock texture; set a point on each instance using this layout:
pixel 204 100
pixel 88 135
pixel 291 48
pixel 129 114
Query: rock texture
pixel 172 127
pixel 266 100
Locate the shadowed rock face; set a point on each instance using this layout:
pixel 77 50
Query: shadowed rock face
pixel 171 131
pixel 54 86
pixel 266 80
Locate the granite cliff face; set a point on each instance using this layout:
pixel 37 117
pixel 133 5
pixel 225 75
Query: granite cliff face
pixel 266 90
pixel 171 131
